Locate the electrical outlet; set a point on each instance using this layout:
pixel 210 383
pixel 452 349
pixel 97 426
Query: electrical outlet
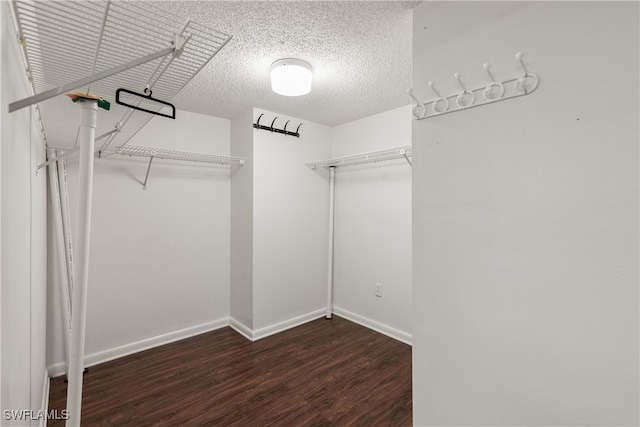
pixel 378 290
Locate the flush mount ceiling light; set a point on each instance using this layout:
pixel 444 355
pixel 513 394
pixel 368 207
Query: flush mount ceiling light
pixel 291 77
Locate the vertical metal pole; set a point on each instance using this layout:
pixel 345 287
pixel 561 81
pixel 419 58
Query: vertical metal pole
pixel 79 301
pixel 332 184
pixel 65 304
pixel 66 228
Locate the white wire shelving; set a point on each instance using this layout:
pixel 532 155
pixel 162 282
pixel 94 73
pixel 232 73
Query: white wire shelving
pixel 370 157
pixel 67 41
pixel 183 156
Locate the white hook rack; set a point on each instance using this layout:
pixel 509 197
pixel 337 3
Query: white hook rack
pixel 494 91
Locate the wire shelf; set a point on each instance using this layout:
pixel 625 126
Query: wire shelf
pixel 67 40
pixel 186 156
pixel 371 157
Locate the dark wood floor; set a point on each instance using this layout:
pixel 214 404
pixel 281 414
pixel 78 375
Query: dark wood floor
pixel 324 373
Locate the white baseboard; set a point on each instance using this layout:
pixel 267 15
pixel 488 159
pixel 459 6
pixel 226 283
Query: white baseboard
pixel 44 405
pixel 287 324
pixel 92 359
pixel 387 330
pixel 241 328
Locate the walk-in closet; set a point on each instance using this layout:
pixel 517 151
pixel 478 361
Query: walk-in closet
pixel 312 213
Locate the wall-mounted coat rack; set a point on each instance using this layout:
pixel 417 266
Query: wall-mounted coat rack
pixel 331 165
pixel 185 156
pixel 494 91
pixel 271 128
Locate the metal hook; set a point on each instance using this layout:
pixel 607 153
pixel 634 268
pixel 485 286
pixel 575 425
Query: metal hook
pixel 298 128
pixel 147 89
pixel 459 99
pixel 432 86
pixel 487 91
pixel 440 99
pixel 418 105
pixel 259 117
pixel 486 68
pixel 457 76
pixel 519 56
pixel 410 91
pixel 520 81
pixel 285 126
pixel 274 120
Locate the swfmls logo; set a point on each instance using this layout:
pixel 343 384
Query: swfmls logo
pixel 31 415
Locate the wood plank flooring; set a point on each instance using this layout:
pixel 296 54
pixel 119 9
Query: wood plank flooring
pixel 323 373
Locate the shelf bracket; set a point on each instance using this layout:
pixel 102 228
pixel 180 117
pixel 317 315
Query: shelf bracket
pixel 144 184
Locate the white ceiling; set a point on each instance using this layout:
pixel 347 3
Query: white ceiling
pixel 360 52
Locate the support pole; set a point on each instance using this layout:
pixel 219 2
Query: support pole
pixel 65 303
pixel 332 184
pixel 79 302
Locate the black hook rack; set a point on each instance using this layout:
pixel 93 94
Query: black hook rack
pixel 284 131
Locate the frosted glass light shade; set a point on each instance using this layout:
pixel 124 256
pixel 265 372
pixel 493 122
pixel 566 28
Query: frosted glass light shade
pixel 291 77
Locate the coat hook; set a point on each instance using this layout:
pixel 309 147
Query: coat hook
pixel 298 133
pixel 520 82
pixel 519 56
pixel 274 120
pixel 285 126
pixel 437 102
pixel 418 104
pixel 487 91
pixel 259 117
pixel 459 99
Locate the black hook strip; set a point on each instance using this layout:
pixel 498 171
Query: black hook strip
pixel 137 107
pixel 271 128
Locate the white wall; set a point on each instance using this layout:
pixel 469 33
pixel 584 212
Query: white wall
pixel 525 219
pixel 23 249
pixel 159 265
pixel 290 222
pixel 373 225
pixel 241 309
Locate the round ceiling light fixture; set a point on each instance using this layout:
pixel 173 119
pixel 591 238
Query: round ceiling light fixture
pixel 291 77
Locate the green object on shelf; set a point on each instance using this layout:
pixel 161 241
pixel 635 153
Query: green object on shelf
pixel 102 103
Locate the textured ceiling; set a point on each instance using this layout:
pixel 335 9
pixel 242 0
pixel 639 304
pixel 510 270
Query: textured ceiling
pixel 360 52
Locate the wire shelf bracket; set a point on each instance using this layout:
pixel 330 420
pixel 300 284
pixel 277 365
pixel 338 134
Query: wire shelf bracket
pixel 185 156
pixel 493 92
pixel 370 157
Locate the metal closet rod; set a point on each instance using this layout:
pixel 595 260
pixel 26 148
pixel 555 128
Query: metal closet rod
pixel 370 157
